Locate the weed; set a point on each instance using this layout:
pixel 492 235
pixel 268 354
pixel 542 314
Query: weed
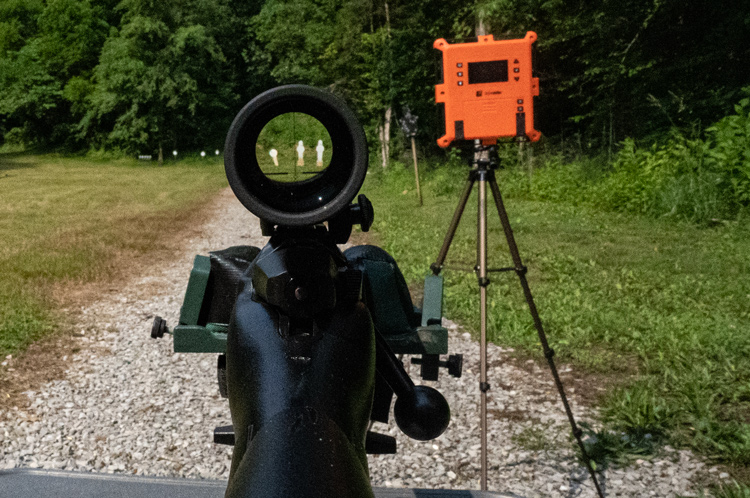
pixel 534 438
pixel 734 490
pixel 606 447
pixel 638 410
pixel 700 178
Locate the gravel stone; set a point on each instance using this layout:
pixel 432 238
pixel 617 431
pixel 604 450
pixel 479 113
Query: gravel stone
pixel 130 405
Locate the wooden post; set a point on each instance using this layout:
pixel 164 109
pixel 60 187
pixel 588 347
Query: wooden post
pixel 530 154
pixel 416 169
pixel 611 135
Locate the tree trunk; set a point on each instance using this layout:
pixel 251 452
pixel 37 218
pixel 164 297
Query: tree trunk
pixel 161 155
pixel 387 20
pixel 611 135
pixel 416 169
pixel 384 133
pixel 381 139
pixel 480 29
pixel 530 154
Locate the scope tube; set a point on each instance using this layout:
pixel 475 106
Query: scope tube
pixel 309 201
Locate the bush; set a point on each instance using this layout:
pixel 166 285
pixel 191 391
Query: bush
pixel 687 177
pixel 730 151
pixel 676 179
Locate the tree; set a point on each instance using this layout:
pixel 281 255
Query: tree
pixel 29 97
pixel 140 74
pixel 614 69
pixel 17 23
pixel 376 53
pixel 61 46
pixel 160 80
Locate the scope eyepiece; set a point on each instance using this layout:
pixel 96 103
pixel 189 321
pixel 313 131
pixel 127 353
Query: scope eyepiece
pixel 295 156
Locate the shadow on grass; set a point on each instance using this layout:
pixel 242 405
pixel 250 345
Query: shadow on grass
pixel 14 160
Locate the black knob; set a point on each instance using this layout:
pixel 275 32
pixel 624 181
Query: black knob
pixel 221 374
pixel 365 212
pixel 422 415
pixel 158 328
pixel 455 365
pixel 431 362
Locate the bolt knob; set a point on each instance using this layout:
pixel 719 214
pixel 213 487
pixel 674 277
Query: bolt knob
pixel 423 414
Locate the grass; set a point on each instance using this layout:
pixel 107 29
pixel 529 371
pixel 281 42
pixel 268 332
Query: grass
pixel 733 490
pixel 658 310
pixel 69 220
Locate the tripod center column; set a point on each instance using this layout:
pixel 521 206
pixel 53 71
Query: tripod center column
pixel 483 283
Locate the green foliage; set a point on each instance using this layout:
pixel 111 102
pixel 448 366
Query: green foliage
pixel 638 410
pixel 70 35
pixel 17 22
pixel 607 446
pixel 730 151
pixel 299 36
pixel 377 55
pixel 157 74
pixel 131 77
pixel 694 179
pixel 697 179
pixel 608 70
pixel 30 95
pixel 616 69
pixel 667 180
pixel 37 106
pixel 733 490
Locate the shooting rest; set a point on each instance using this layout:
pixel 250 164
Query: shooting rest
pixel 212 290
pixel 33 483
pixel 204 315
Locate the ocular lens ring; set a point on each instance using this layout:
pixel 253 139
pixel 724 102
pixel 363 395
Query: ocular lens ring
pixel 309 201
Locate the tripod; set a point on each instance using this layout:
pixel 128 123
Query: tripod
pixel 483 172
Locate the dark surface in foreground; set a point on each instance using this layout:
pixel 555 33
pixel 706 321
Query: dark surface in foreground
pixel 32 483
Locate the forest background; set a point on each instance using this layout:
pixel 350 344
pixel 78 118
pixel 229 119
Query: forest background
pixel 141 77
pixel 650 79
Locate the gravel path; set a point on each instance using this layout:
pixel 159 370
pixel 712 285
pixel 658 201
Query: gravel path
pixel 129 404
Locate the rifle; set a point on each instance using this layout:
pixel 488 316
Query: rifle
pixel 307 335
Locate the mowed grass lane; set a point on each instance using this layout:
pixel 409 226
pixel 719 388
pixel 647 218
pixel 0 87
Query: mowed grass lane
pixel 69 220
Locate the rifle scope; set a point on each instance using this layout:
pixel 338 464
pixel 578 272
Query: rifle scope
pixel 295 156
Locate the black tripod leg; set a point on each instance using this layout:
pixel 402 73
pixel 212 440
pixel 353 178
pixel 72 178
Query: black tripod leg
pixel 438 264
pixel 549 353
